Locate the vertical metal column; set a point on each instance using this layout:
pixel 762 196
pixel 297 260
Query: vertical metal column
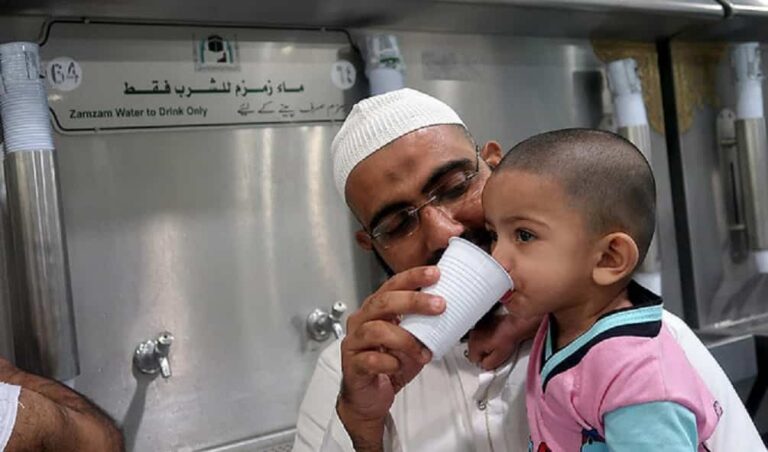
pixel 44 327
pixel 632 119
pixel 640 136
pixel 6 323
pixel 751 140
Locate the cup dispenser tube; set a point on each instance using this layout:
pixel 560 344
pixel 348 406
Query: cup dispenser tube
pixel 44 327
pixel 632 121
pixel 744 158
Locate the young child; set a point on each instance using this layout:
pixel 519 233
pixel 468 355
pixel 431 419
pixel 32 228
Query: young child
pixel 573 213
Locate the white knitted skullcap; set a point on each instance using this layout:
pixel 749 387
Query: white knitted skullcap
pixel 377 121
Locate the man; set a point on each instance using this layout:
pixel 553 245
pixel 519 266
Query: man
pixel 37 414
pixel 412 176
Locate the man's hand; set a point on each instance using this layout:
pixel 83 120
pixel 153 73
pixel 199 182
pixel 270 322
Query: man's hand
pixel 378 358
pixel 493 341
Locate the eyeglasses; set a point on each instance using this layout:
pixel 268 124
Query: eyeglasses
pixel 448 194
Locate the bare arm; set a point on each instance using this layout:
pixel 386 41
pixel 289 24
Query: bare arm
pixel 53 417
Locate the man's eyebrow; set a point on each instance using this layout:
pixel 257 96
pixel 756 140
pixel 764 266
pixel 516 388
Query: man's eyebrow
pixel 444 169
pixel 386 210
pixel 433 180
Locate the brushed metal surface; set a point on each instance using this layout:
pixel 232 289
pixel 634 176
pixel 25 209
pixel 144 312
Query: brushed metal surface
pixel 753 148
pixel 273 442
pixel 588 19
pixel 635 19
pixel 745 20
pixel 666 6
pixel 6 325
pixel 730 172
pixel 748 7
pixel 727 289
pixel 43 319
pixel 735 353
pixel 640 136
pixel 226 237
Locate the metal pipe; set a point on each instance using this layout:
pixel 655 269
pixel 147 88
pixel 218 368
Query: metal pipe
pixel 752 146
pixel 632 120
pixel 640 136
pixel 753 153
pixel 44 326
pixel 6 324
pixel 43 315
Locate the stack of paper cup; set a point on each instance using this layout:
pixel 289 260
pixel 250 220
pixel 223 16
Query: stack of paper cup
pixel 23 103
pixel 748 75
pixel 471 282
pixel 627 91
pixel 384 64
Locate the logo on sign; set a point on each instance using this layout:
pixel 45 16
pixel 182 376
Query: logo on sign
pixel 216 52
pixel 343 74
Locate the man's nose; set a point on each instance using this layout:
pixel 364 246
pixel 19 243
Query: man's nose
pixel 438 226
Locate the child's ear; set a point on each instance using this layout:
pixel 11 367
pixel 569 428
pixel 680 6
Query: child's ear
pixel 617 258
pixel 491 153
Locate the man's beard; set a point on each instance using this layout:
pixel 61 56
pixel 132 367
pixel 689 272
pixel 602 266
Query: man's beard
pixel 480 237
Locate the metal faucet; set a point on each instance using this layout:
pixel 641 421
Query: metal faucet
pixel 321 323
pixel 151 356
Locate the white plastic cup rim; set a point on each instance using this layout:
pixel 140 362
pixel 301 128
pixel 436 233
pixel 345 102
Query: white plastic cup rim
pixel 479 253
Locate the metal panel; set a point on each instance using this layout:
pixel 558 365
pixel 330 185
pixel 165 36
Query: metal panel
pixel 6 325
pixel 753 146
pixel 734 352
pixel 646 19
pixel 269 12
pixel 593 19
pixel 745 21
pixel 275 442
pixel 684 7
pixel 747 7
pixel 727 287
pixel 227 238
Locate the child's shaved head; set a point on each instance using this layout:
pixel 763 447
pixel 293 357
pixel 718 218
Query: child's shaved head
pixel 604 175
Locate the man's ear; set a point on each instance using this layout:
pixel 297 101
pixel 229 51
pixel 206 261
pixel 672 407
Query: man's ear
pixel 616 259
pixel 363 240
pixel 491 153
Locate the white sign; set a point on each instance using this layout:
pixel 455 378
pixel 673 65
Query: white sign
pixel 151 76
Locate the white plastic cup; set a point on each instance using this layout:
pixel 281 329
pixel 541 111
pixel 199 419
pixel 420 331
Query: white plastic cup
pixel 471 282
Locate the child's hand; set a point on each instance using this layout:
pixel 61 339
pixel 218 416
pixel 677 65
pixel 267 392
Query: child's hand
pixel 492 342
